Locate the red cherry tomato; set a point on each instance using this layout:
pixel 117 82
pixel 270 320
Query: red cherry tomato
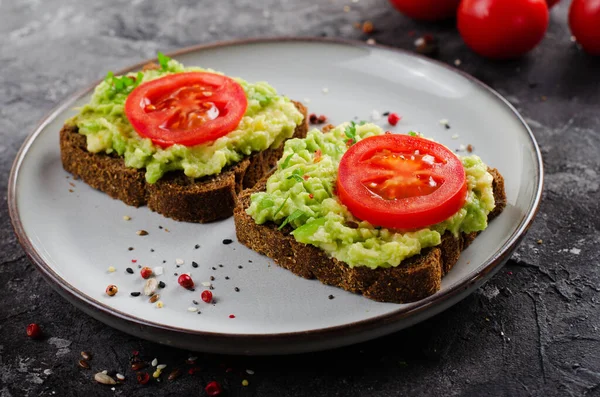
pixel 552 3
pixel 498 30
pixel 584 21
pixel 427 10
pixel 186 108
pixel 401 182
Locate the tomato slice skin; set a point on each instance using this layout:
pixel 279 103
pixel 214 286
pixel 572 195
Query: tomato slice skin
pixel 414 207
pixel 188 108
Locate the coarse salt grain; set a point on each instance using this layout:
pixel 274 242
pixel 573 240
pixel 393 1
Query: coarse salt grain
pixel 444 122
pixel 179 261
pixel 120 377
pixel 206 284
pixel 158 270
pixel 375 115
pixel 325 90
pixel 429 159
pixel 150 286
pixel 462 148
pixel 249 372
pixel 575 251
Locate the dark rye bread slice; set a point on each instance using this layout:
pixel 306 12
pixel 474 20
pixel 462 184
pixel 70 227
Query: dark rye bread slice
pixel 414 279
pixel 175 195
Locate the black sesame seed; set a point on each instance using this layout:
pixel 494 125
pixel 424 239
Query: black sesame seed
pixel 161 284
pixel 249 261
pixel 151 249
pixel 194 264
pixel 139 266
pixel 331 296
pixel 386 113
pixel 237 289
pixel 130 248
pixel 227 241
pixel 129 270
pixel 135 293
pixel 447 126
pixel 195 302
pixel 240 267
pixel 192 289
pixel 160 227
pixel 211 287
pixel 226 277
pixel 214 268
pixel 175 274
pixel 197 246
pixel 164 261
pixel 212 278
pixel 177 266
pixel 220 265
pixel 199 312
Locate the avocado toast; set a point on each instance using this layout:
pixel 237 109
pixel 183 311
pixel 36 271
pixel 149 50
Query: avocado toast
pixel 199 138
pixel 296 216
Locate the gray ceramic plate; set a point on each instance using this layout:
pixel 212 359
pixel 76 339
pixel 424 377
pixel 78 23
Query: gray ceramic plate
pixel 74 233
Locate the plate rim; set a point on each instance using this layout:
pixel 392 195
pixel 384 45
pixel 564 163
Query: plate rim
pixel 355 327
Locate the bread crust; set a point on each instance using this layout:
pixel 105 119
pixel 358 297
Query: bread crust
pixel 415 278
pixel 175 195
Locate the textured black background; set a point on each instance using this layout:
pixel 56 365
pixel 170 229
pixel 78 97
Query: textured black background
pixel 532 330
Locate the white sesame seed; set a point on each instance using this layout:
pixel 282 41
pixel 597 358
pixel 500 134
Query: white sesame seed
pixel 179 261
pixel 306 100
pixel 457 62
pixel 249 372
pixel 462 148
pixel 126 218
pixel 575 251
pixel 444 122
pixel 325 90
pixel 158 270
pixel 120 377
pixel 192 309
pixel 455 136
pixel 111 269
pixel 161 366
pixel 206 284
pixel 154 362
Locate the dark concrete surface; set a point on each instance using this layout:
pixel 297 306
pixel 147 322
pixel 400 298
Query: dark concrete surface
pixel 531 331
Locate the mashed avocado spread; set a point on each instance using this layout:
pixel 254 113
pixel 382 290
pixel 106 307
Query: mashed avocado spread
pixel 268 121
pixel 301 193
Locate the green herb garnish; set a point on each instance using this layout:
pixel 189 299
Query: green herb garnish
pixel 296 174
pixel 286 162
pixel 281 206
pixel 163 60
pixel 123 84
pixel 292 217
pixel 413 133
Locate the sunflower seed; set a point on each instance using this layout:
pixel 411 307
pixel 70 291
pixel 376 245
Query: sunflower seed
pixel 84 364
pixel 175 374
pixel 104 379
pixel 150 286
